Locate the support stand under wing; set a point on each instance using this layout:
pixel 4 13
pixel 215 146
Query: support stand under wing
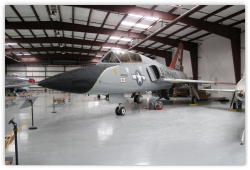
pixel 243 138
pixel 192 89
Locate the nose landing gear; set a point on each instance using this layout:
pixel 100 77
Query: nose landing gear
pixel 120 111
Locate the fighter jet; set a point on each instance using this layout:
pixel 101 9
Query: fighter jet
pixel 15 83
pixel 120 72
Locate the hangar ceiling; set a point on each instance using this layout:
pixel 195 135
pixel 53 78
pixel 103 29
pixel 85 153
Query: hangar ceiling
pixel 82 34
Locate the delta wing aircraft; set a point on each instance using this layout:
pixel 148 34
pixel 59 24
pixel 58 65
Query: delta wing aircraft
pixel 14 82
pixel 120 72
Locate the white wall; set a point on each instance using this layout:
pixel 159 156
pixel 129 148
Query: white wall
pixel 216 63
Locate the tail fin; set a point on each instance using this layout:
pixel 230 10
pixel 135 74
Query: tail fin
pixel 176 62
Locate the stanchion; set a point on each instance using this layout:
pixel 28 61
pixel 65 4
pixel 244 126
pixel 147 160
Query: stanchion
pixel 69 98
pixel 32 128
pixel 53 106
pixel 15 133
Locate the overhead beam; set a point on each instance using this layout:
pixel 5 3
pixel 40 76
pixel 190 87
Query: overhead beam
pixel 203 18
pixel 231 16
pixel 55 56
pixel 67 49
pixel 67 59
pixel 236 23
pixel 236 51
pixel 168 25
pixel 90 29
pixel 217 11
pixel 214 28
pixel 85 42
pixel 194 62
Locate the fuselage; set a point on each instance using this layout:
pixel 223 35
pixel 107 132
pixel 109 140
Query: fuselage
pixel 135 77
pixel 11 80
pixel 116 72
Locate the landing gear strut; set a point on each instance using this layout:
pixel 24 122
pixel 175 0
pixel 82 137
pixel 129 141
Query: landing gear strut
pixel 193 100
pixel 120 111
pixel 137 99
pixel 193 94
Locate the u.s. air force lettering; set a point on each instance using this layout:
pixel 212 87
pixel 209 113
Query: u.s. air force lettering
pixel 138 77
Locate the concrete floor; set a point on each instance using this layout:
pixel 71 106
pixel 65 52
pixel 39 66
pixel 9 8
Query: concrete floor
pixel 86 131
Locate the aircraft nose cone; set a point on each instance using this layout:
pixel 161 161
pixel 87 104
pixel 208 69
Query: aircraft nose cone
pixel 75 81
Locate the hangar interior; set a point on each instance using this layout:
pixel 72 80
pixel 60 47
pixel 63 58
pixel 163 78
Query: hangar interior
pixel 44 40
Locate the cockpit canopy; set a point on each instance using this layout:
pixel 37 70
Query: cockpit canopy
pixel 121 57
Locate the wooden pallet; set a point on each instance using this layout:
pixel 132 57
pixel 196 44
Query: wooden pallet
pixel 59 99
pixel 7 137
pixel 7 162
pixel 10 98
pixel 25 95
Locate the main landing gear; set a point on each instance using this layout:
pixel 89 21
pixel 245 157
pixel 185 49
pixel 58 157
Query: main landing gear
pixel 120 111
pixel 193 100
pixel 137 97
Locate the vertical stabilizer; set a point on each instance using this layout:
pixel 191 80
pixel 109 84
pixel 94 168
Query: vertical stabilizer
pixel 176 62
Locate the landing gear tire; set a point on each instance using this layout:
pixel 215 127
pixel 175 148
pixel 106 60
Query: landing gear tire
pixel 117 111
pixel 122 111
pixel 137 99
pixel 193 100
pixel 98 96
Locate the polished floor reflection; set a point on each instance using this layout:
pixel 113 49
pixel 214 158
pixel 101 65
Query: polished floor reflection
pixel 86 131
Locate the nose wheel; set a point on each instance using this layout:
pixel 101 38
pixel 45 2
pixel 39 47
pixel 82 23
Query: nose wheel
pixel 120 111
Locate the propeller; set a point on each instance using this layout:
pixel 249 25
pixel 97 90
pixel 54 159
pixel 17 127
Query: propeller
pixel 232 100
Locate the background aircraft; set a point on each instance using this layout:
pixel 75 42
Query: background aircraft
pixel 120 72
pixel 238 93
pixel 15 83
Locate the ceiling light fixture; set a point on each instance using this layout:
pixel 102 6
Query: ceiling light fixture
pixel 53 11
pixel 58 34
pixel 134 24
pixel 115 38
pixel 178 6
pixel 142 25
pixel 53 15
pixel 134 15
pixel 105 47
pixel 151 18
pixel 126 39
pixel 11 44
pixel 128 23
pixel 115 48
